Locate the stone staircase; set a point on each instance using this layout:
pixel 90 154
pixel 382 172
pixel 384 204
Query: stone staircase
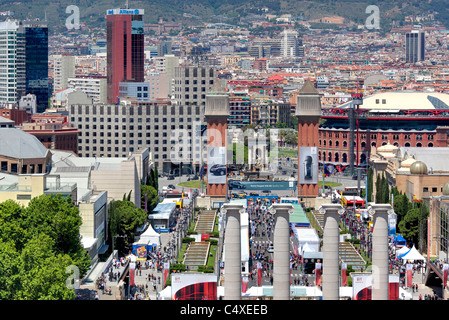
pixel 348 253
pixel 206 222
pixel 197 254
pixel 350 256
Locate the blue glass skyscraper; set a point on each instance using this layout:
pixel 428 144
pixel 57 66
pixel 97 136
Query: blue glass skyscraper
pixel 36 61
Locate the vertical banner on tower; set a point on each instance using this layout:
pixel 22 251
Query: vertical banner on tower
pixel 318 274
pixel 344 276
pixel 132 273
pixel 244 283
pixel 308 165
pixel 259 274
pixel 216 168
pixel 166 271
pixel 445 271
pixel 409 274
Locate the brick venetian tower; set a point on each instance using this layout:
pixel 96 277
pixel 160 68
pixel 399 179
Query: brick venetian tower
pixel 308 113
pixel 216 114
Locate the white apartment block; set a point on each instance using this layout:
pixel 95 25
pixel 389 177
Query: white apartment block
pixel 94 87
pixel 289 43
pixel 63 69
pixel 12 62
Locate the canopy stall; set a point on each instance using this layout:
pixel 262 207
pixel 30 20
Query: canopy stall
pixel 412 255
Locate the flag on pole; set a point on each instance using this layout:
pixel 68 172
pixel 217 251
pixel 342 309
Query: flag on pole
pixel 259 274
pixel 415 199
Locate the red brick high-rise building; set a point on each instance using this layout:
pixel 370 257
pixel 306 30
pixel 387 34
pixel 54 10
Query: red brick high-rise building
pixel 125 49
pixel 217 113
pixel 308 113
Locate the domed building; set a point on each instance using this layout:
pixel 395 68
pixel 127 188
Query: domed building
pixel 22 153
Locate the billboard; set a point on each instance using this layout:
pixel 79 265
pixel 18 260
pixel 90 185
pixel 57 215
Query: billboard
pixel 216 165
pixel 308 165
pixel 361 286
pixel 193 286
pixel 262 185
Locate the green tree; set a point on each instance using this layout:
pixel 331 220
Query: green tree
pixel 152 197
pixel 409 225
pixel 124 218
pixel 57 217
pixel 37 244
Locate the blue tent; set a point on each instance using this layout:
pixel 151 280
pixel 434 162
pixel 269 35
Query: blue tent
pixel 400 241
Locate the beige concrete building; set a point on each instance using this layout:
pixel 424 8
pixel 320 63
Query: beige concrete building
pixel 419 172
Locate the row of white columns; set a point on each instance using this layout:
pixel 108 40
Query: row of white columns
pixel 281 258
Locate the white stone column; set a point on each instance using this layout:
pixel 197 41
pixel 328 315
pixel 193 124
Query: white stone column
pixel 233 255
pixel 331 259
pixel 380 251
pixel 281 245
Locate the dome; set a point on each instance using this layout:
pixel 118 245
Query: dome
pixel 446 189
pixel 418 167
pixel 407 163
pixel 387 148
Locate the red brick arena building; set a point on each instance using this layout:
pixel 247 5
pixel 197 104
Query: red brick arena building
pixel 405 119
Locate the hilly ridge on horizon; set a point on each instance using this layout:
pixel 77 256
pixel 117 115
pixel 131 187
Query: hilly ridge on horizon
pixel 92 13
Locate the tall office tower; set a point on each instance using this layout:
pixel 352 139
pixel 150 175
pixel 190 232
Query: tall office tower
pixel 63 69
pixel 12 62
pixel 125 49
pixel 414 46
pixel 164 48
pixel 192 84
pixel 289 43
pixel 36 61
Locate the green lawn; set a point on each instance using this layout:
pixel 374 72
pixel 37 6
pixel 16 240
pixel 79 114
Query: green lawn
pixel 330 184
pixel 196 184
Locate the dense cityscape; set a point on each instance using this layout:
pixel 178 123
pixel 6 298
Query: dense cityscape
pixel 282 158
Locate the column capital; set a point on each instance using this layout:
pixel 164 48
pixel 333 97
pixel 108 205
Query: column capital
pixel 232 208
pixel 380 208
pixel 281 208
pixel 330 208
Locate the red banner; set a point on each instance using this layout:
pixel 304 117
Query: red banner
pixel 409 275
pixel 344 277
pixel 445 271
pixel 132 272
pixel 393 287
pixel 244 284
pixel 259 274
pixel 166 271
pixel 318 274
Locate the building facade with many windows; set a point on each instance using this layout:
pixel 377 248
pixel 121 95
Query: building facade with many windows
pixel 117 130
